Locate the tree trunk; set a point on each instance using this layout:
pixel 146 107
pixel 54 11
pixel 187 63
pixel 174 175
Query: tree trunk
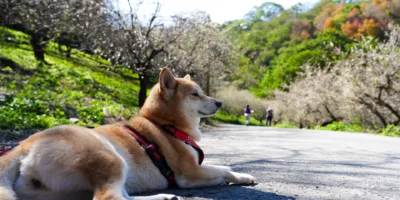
pixel 373 109
pixel 68 54
pixel 144 81
pixel 208 83
pixel 36 40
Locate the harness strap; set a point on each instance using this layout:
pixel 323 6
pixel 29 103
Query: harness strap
pixel 152 151
pixel 183 136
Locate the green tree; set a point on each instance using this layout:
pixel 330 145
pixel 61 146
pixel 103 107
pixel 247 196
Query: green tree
pixel 264 12
pixel 326 47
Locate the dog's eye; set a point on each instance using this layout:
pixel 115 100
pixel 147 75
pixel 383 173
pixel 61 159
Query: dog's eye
pixel 195 94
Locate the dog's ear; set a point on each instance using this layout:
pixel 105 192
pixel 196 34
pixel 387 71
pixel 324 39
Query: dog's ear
pixel 167 82
pixel 167 79
pixel 187 77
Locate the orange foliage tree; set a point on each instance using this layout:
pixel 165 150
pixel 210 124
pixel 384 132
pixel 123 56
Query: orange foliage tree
pixel 330 17
pixel 326 12
pixel 368 19
pixel 371 28
pixel 301 29
pixel 351 28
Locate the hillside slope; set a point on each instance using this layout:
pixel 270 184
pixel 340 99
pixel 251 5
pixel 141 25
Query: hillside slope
pixel 35 95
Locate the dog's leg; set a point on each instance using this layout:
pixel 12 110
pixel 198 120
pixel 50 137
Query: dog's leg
pixel 109 177
pixel 222 167
pixel 153 197
pixel 157 197
pixel 209 175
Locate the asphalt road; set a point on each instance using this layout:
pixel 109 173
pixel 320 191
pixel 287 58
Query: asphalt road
pixel 301 164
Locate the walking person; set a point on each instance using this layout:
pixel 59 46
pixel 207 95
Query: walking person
pixel 247 114
pixel 269 114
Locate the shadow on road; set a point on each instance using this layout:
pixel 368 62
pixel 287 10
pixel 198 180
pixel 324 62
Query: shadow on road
pixel 236 192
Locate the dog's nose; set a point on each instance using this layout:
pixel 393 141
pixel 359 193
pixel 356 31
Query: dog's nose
pixel 218 104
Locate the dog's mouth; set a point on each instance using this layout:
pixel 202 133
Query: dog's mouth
pixel 207 114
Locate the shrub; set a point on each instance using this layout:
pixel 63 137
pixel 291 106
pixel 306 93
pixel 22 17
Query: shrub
pixel 340 126
pixel 391 130
pixel 285 125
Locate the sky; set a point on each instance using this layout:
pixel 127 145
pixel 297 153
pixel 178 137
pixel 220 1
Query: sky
pixel 220 10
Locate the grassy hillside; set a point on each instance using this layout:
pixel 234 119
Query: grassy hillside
pixel 35 95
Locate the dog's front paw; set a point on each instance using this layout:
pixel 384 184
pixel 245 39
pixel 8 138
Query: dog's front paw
pixel 225 168
pixel 165 197
pixel 244 178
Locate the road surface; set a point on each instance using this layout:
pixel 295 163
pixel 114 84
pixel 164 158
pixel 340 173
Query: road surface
pixel 301 164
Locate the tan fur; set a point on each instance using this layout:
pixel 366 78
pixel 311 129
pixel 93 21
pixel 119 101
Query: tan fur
pixel 71 162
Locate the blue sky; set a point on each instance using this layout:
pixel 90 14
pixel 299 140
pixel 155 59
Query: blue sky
pixel 219 10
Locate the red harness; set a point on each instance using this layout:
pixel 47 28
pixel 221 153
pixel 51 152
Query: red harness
pixel 7 148
pixel 154 154
pixel 183 136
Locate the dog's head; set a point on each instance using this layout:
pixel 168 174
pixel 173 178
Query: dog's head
pixel 178 101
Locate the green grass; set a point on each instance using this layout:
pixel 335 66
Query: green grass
pixel 13 37
pixel 340 126
pixel 43 95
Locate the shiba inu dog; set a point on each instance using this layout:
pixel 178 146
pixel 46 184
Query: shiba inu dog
pixel 108 163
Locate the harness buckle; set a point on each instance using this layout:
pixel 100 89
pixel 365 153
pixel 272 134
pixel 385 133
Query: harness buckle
pixel 150 148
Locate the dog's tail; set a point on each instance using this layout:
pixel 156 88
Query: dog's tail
pixel 9 170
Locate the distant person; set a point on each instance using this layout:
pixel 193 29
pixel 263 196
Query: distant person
pixel 247 114
pixel 269 114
